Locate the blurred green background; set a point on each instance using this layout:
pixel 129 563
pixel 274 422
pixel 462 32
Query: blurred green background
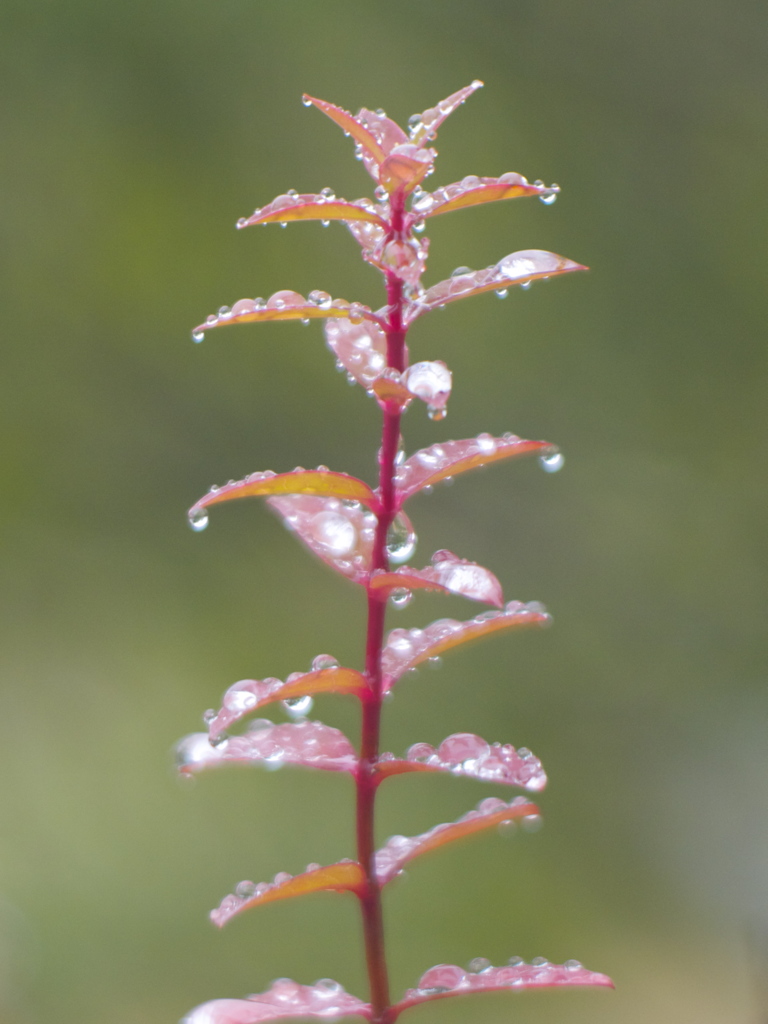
pixel 133 136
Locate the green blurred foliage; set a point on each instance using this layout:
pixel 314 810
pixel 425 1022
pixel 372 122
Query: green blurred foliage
pixel 133 137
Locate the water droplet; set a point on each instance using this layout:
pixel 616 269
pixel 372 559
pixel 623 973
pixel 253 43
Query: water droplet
pixel 515 961
pixel 198 519
pixel 525 285
pixel 327 194
pixel 298 707
pixel 328 986
pixel 418 227
pixel 381 193
pixel 245 889
pixel 324 661
pixel 307 102
pixel 401 540
pixel 532 822
pixel 356 313
pixel 198 336
pixel 502 293
pixel 507 828
pixel 292 193
pixel 224 312
pixel 324 223
pixel 548 200
pixel 478 965
pixel 434 662
pixel 552 463
pixel 539 961
pixel 241 222
pixel 208 716
pixel 400 597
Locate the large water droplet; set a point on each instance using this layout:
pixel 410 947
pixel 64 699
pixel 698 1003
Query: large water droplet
pixel 401 540
pixel 335 533
pixel 552 463
pixel 198 519
pixel 298 707
pixel 198 336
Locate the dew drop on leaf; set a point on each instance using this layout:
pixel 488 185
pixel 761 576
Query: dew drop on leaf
pixel 552 463
pixel 298 707
pixel 401 540
pixel 198 520
pixel 400 597
pixel 198 336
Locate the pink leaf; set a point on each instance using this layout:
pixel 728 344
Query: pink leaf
pixel 440 461
pixel 519 268
pixel 247 695
pixel 360 349
pixel 448 573
pixel 307 744
pixel 450 980
pixel 405 649
pixel 424 126
pixel 286 305
pixel 339 533
pixel 472 191
pixel 370 146
pixel 323 206
pixel 464 753
pixel 398 850
pixel 344 876
pixel 321 482
pixel 285 999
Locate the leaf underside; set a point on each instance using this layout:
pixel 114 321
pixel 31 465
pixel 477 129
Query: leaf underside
pixel 310 206
pixel 285 999
pixel 398 850
pixel 429 466
pixel 247 695
pixel 405 649
pixel 448 574
pixel 345 876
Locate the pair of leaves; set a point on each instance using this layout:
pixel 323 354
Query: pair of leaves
pixel 287 999
pixel 389 861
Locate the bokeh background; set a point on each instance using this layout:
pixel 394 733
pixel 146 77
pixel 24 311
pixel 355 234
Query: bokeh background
pixel 134 134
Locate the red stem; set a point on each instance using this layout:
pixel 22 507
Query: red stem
pixel 370 896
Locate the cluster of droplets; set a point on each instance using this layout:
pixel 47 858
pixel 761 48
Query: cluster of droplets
pixel 425 204
pixel 326 999
pixel 481 975
pixel 464 753
pixel 309 744
pixel 338 531
pixel 406 648
pixel 360 349
pixel 284 304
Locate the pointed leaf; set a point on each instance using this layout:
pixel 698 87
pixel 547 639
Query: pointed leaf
pixel 448 573
pixel 350 126
pixel 464 753
pixel 519 268
pixel 307 744
pixel 285 999
pixel 472 191
pixel 449 980
pixel 405 649
pixel 320 482
pixel 424 126
pixel 344 876
pixel 429 466
pixel 310 206
pixel 285 305
pixel 245 696
pixel 398 850
pixel 340 534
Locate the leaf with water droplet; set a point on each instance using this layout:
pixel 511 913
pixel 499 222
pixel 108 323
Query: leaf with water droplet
pixel 391 393
pixel 519 268
pixel 457 196
pixel 449 574
pixel 446 980
pixel 340 534
pixel 351 126
pixel 405 649
pixel 311 207
pixel 427 123
pixel 360 348
pixel 471 756
pixel 306 744
pixel 448 458
pixel 247 695
pixel 322 483
pixel 285 305
pixel 285 999
pixel 345 876
pixel 398 850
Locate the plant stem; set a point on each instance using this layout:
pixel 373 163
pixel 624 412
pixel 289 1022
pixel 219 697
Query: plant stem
pixel 370 898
